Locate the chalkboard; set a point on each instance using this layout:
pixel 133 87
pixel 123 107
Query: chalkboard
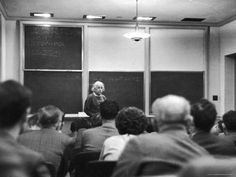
pixel 124 87
pixel 53 47
pixel 62 89
pixel 187 84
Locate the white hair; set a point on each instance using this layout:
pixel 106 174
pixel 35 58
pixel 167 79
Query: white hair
pixel 96 84
pixel 171 109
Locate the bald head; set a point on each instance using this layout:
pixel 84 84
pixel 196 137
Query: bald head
pixel 171 109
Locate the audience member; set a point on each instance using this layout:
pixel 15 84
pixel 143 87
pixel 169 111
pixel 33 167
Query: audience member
pixel 204 117
pixel 172 143
pixel 206 167
pixel 130 121
pixel 93 138
pixel 151 125
pixel 33 122
pixel 78 127
pixel 93 101
pixel 15 101
pixel 48 140
pixel 229 119
pixel 11 165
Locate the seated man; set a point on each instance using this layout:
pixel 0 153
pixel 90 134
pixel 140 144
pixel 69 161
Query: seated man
pixel 130 121
pixel 229 120
pixel 15 102
pixel 172 143
pixel 48 140
pixel 204 117
pixel 93 138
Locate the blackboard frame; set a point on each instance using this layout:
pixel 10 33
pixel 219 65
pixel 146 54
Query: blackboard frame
pixel 53 47
pixel 62 89
pixel 71 76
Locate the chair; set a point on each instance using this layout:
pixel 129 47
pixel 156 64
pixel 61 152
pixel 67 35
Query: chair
pixel 80 160
pixel 157 167
pixel 100 168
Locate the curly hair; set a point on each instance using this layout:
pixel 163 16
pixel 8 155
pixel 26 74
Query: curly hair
pixel 97 84
pixel 131 120
pixel 204 114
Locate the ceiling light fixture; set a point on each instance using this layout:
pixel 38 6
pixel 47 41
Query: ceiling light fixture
pixel 94 16
pixel 40 14
pixel 137 35
pixel 144 18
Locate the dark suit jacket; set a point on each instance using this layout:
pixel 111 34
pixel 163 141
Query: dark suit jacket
pixel 31 160
pixel 48 142
pixel 93 138
pixel 231 136
pixel 92 104
pixel 171 144
pixel 214 144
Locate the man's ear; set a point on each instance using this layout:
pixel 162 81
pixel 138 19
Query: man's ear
pixel 189 120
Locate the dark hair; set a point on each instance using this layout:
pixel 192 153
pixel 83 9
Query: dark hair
pixel 229 119
pixel 14 101
pixel 79 123
pixel 109 109
pixel 204 115
pixel 49 116
pixel 131 120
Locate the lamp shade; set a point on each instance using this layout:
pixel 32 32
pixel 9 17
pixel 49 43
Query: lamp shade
pixel 137 35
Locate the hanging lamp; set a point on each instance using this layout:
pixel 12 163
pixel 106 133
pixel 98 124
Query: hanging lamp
pixel 136 35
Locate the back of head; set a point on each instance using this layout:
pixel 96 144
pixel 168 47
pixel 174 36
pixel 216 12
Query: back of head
pixel 204 115
pixel 49 116
pixel 79 124
pixel 229 119
pixel 171 109
pixel 131 120
pixel 15 99
pixel 109 109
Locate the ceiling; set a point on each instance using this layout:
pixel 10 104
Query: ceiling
pixel 214 11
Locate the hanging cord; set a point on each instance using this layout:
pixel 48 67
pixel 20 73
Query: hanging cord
pixel 136 27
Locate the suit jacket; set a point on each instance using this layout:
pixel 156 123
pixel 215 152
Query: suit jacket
pixel 93 138
pixel 92 104
pixel 171 144
pixel 214 144
pixel 33 161
pixel 49 142
pixel 232 137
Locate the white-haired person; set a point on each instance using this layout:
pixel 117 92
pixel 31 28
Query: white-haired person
pixel 170 144
pixel 93 101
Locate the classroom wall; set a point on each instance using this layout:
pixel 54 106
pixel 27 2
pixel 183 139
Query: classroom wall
pixel 12 64
pixel 227 47
pixel 108 50
pixel 2 48
pixel 214 67
pixel 10 56
pixel 177 49
pixel 102 56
